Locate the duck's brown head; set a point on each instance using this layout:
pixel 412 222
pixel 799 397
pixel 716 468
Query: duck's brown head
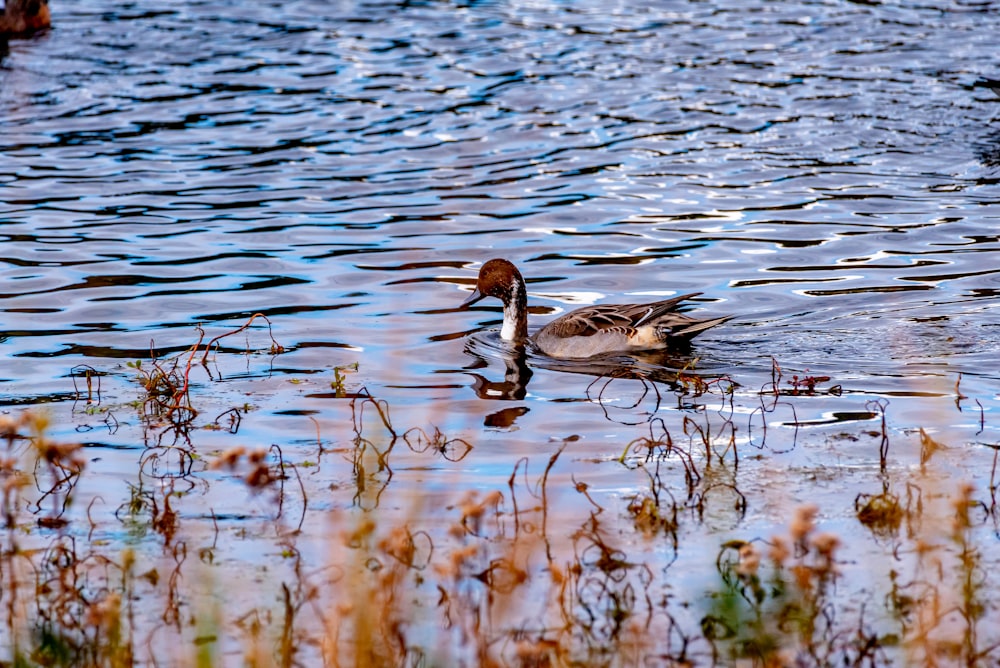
pixel 497 278
pixel 37 14
pixel 25 16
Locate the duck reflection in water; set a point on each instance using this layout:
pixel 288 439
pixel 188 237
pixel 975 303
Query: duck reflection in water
pixel 658 374
pixel 513 387
pixel 24 17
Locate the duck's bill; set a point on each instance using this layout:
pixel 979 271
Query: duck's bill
pixel 473 298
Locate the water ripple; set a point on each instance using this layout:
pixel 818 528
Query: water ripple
pixel 802 163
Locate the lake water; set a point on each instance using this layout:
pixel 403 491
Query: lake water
pixel 827 172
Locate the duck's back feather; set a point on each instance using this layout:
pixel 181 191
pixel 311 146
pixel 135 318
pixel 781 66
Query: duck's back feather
pixel 621 327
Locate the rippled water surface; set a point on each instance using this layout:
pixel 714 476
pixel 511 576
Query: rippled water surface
pixel 827 172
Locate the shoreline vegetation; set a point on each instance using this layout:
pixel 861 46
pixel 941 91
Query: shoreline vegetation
pixel 552 568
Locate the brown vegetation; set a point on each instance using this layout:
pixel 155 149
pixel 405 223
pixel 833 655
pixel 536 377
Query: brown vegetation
pixel 542 571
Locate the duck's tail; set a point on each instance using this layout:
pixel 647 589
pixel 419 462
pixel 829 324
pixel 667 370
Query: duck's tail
pixel 689 330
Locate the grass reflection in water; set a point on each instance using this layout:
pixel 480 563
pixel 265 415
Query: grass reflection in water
pixel 551 568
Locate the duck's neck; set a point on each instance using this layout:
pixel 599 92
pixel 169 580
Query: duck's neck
pixel 515 314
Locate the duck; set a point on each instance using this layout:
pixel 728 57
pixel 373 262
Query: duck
pixel 591 330
pixel 23 17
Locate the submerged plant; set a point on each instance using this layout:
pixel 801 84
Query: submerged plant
pixel 881 513
pixel 779 610
pixel 556 568
pixel 340 373
pixel 167 383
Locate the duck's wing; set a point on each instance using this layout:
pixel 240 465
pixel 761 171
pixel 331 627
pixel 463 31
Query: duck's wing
pixel 593 330
pixel 588 321
pixel 645 314
pixel 613 318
